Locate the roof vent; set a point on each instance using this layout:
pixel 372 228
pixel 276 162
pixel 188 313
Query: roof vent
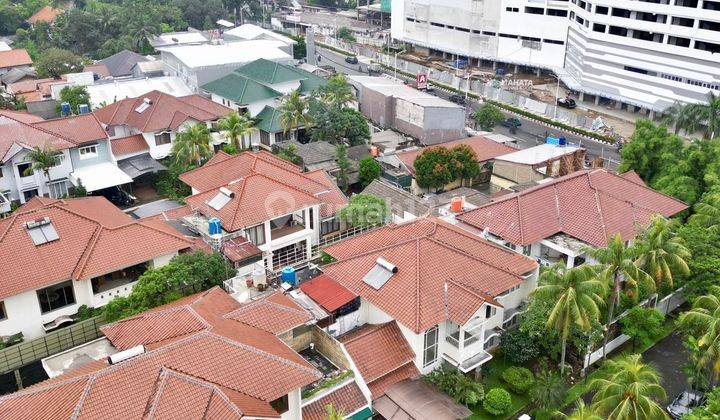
pixel 126 354
pixel 380 273
pixel 41 231
pixel 144 105
pixel 221 199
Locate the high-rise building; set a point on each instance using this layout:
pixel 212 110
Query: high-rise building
pixel 643 53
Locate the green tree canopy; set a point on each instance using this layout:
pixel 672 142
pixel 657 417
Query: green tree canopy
pixel 75 96
pixel 488 116
pixel 650 150
pixel 337 125
pixel 465 161
pixel 434 167
pixel 365 210
pixel 369 170
pixel 192 146
pixel 235 127
pixel 642 324
pixel 703 321
pixel 54 62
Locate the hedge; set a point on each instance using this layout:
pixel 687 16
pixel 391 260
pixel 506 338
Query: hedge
pixel 514 109
pixel 337 50
pixel 497 401
pixel 519 379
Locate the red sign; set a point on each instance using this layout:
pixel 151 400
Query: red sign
pixel 422 81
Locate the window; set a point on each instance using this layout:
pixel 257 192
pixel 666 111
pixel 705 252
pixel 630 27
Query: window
pixel 25 169
pixel 58 189
pixel 527 250
pixel 265 138
pixel 601 10
pixel 490 311
pixel 430 354
pixel 256 234
pixel 1 172
pixel 56 297
pixel 599 27
pixel 330 225
pixel 3 314
pixel 88 152
pixel 59 159
pixel 162 138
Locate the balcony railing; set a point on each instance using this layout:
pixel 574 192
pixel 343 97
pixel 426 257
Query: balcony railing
pixel 454 339
pixel 286 230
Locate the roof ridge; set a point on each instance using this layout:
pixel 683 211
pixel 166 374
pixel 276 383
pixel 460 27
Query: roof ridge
pixel 159 383
pixel 83 396
pixel 153 108
pixel 610 194
pixel 469 255
pixel 46 131
pixel 417 284
pixel 39 387
pixel 252 305
pixel 375 328
pixel 469 289
pixel 85 256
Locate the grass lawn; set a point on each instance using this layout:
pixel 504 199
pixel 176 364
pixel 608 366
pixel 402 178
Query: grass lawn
pixel 493 380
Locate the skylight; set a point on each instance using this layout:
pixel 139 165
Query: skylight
pixel 144 105
pixel 41 231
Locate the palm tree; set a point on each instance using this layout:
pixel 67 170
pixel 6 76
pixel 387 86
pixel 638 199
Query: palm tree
pixel 334 414
pixel 703 319
pixel 192 145
pixel 631 391
pixel 236 126
pixel 292 112
pixel 578 295
pixel 618 262
pixel 683 117
pixel 711 115
pixel 337 93
pixel 467 390
pixel 662 252
pixel 707 212
pixel 582 412
pixel 42 160
pixel 548 390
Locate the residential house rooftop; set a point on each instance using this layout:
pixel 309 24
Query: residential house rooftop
pixel 46 14
pixel 197 364
pixel 156 111
pixel 249 31
pixel 121 64
pixel 81 238
pixel 15 58
pixel 442 271
pixel 484 148
pixel 590 205
pixel 208 55
pixel 263 186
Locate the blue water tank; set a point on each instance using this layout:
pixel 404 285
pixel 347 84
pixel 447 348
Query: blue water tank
pixel 562 141
pixel 214 226
pixel 83 109
pixel 287 275
pixel 552 140
pixel 65 108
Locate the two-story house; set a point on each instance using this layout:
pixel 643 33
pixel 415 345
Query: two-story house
pixel 557 219
pixel 449 291
pixel 83 153
pixel 158 117
pixel 61 254
pixel 261 198
pixel 257 88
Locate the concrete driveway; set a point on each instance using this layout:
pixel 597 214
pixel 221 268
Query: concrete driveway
pixel 668 355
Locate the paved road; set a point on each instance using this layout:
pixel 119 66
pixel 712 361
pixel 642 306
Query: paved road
pixel 668 355
pixel 531 133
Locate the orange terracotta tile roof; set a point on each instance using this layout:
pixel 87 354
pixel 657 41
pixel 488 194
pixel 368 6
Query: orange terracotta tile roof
pixel 589 205
pixel 275 314
pixel 327 293
pixel 484 148
pixel 94 238
pixel 46 14
pixel 429 254
pixel 634 177
pixel 252 175
pixel 239 249
pixel 348 399
pixel 15 134
pixel 381 354
pixel 122 146
pixel 166 112
pixel 22 116
pixel 15 58
pixel 78 129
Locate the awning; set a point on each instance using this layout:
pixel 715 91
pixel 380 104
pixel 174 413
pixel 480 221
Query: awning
pixel 414 399
pixel 99 176
pixel 328 293
pixel 140 165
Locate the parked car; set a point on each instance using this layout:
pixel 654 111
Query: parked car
pixel 686 401
pixel 351 59
pixel 458 99
pixel 512 122
pixel 568 103
pixel 117 196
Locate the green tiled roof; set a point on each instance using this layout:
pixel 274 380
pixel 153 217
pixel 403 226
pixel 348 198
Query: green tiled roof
pixel 269 120
pixel 271 73
pixel 240 89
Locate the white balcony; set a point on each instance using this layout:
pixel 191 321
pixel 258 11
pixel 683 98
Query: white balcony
pixel 463 346
pixel 105 296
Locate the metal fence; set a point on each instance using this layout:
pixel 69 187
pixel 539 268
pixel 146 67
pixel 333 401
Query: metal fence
pixel 54 342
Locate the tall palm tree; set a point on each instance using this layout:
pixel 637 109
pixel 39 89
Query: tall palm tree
pixel 683 117
pixel 711 115
pixel 292 112
pixel 662 252
pixel 337 93
pixel 631 391
pixel 582 412
pixel 618 262
pixel 192 145
pixel 707 212
pixel 42 160
pixel 703 320
pixel 578 295
pixel 236 126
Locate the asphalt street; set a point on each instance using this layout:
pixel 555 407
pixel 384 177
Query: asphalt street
pixel 531 133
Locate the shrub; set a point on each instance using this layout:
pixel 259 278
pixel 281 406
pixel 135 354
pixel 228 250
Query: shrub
pixel 519 379
pixel 497 401
pixel 461 387
pixel 518 346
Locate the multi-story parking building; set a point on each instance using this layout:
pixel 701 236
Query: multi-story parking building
pixel 642 54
